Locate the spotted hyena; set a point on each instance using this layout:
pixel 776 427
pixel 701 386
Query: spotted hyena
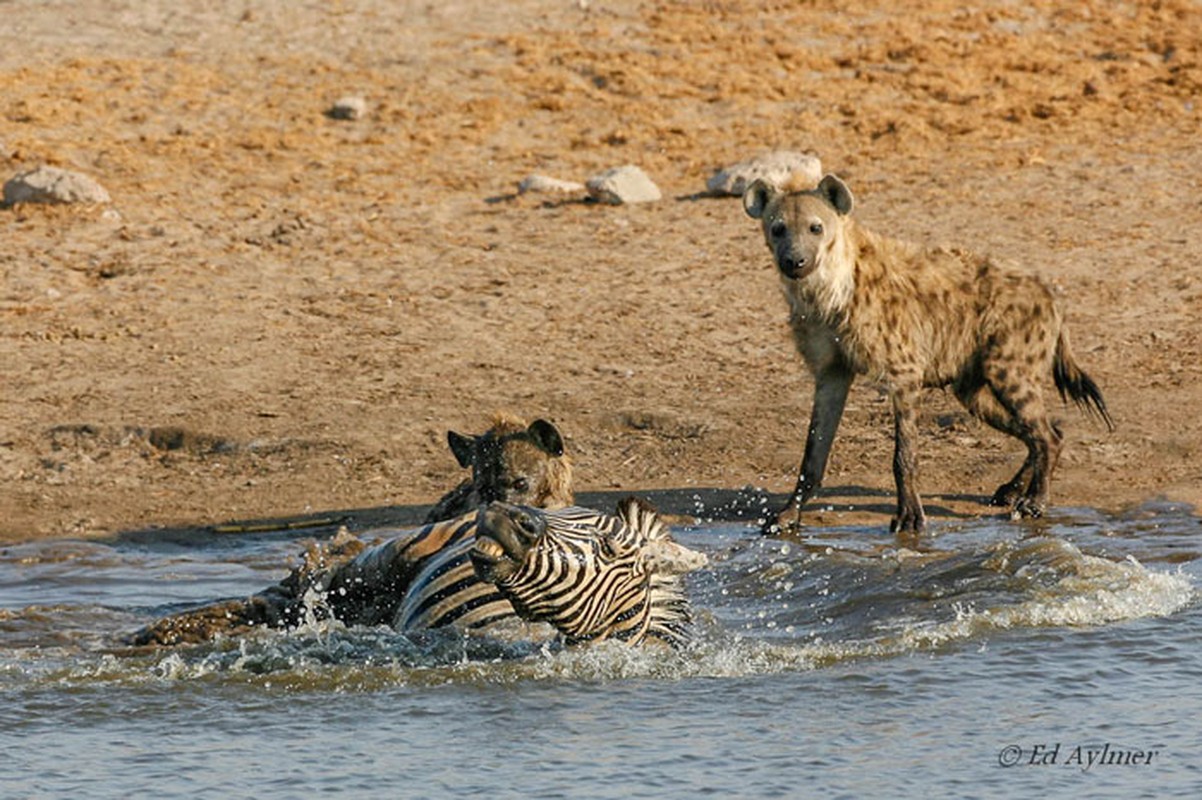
pixel 511 462
pixel 916 317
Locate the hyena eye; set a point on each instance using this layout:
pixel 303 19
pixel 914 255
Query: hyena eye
pixel 521 485
pixel 778 229
pixel 816 228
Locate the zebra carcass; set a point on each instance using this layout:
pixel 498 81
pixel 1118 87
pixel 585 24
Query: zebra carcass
pixel 590 576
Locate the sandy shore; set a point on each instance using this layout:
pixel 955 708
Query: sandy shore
pixel 281 313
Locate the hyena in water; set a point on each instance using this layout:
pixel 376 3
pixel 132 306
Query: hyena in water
pixel 916 317
pixel 511 462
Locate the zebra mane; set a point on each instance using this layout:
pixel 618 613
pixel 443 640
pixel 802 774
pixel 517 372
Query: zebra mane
pixel 642 518
pixel 670 614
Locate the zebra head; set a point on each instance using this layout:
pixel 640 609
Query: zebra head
pixel 591 575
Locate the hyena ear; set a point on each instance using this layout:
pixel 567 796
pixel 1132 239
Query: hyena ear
pixel 546 437
pixel 835 192
pixel 464 447
pixel 756 198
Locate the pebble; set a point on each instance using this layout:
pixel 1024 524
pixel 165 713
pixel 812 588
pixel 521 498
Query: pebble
pixel 543 183
pixel 619 185
pixel 349 108
pixel 780 167
pixel 53 185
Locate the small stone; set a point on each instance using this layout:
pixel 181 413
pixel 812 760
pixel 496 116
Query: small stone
pixel 780 168
pixel 348 108
pixel 619 185
pixel 53 185
pixel 543 183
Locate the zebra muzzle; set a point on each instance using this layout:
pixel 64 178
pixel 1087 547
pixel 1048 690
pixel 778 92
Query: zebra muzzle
pixel 489 560
pixel 504 535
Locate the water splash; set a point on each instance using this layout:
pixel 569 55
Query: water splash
pixel 763 607
pixel 1050 584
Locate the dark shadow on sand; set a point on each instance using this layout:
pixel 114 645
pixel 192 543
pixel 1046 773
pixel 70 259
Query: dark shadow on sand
pixel 680 506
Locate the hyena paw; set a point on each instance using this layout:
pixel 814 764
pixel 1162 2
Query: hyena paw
pixel 1030 507
pixel 908 519
pixel 784 523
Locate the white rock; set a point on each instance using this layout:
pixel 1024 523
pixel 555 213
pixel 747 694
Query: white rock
pixel 542 183
pixel 53 185
pixel 780 167
pixel 351 107
pixel 619 185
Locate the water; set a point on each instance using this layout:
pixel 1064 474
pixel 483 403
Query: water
pixel 841 666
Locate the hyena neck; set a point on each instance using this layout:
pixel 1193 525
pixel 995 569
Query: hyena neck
pixel 873 258
pixel 829 291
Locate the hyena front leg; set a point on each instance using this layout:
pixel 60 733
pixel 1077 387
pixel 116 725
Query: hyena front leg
pixel 906 392
pixel 830 397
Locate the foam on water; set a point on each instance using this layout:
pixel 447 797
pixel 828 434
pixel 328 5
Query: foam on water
pixel 1062 587
pixel 765 607
pixel 1094 592
pixel 1066 589
pixel 801 673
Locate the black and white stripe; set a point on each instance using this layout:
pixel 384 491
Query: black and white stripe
pixel 590 576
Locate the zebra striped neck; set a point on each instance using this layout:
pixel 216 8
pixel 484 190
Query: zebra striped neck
pixel 593 576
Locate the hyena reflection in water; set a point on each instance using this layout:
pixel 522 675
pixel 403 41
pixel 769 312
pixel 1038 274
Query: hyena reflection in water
pixel 915 317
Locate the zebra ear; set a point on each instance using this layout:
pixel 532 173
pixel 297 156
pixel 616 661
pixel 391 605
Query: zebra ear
pixel 666 557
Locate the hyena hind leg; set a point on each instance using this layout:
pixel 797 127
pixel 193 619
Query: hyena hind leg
pixel 1024 401
pixel 1043 444
pixel 1013 493
pixel 981 401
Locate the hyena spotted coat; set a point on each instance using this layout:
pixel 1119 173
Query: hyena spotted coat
pixel 915 317
pixel 511 462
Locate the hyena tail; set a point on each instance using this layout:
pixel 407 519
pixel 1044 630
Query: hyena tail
pixel 1072 382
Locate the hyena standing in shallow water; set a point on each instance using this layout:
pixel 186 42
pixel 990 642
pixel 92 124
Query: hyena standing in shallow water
pixel 916 317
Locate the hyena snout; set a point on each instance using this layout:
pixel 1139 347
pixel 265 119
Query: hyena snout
pixel 793 262
pixel 792 257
